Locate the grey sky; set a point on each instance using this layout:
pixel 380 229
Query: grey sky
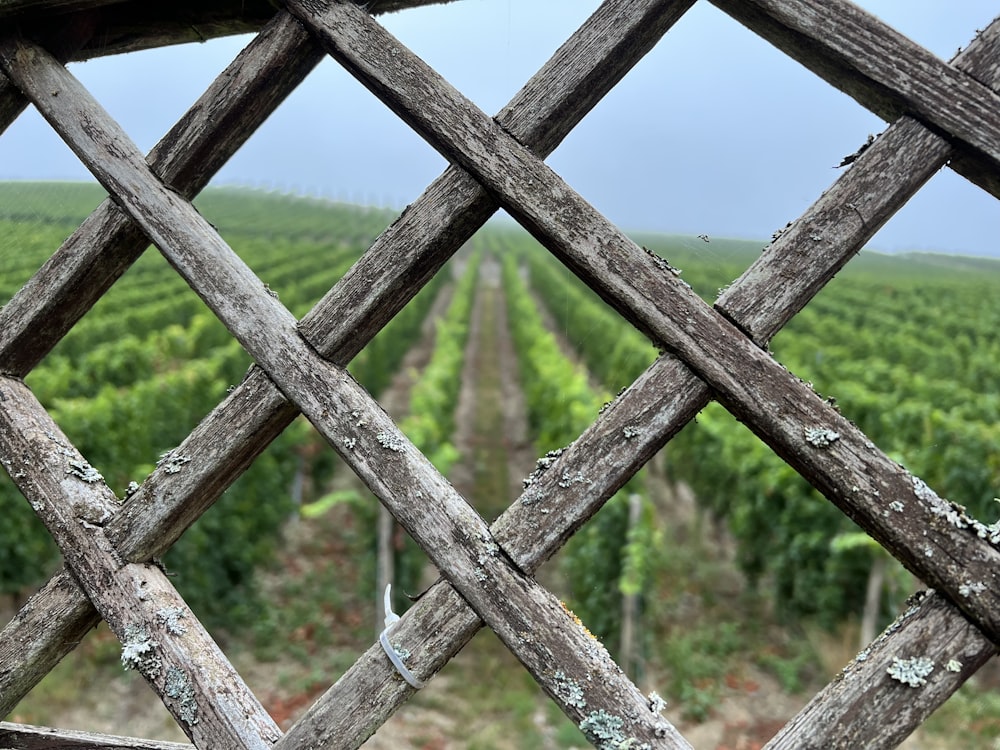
pixel 715 132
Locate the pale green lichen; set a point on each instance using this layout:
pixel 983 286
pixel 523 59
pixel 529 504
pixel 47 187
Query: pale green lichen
pixel 656 703
pixel 390 442
pixel 569 690
pixel 912 672
pixel 170 618
pixel 172 461
pixel 953 665
pixel 139 651
pixel 821 437
pixel 969 588
pixel 178 686
pixel 84 471
pixel 606 732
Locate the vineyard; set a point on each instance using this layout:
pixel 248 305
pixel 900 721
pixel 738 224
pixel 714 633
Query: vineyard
pixel 905 346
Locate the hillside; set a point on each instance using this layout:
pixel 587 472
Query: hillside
pixel 717 576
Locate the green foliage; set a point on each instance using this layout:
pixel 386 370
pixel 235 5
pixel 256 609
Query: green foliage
pixel 149 361
pixel 602 560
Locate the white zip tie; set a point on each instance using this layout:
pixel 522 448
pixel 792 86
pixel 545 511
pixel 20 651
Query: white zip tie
pixel 391 618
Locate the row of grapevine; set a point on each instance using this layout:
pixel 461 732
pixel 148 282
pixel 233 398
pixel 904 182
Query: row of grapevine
pixel 149 361
pixel 608 558
pixel 907 349
pixel 430 420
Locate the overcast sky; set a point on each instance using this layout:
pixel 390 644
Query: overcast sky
pixel 714 132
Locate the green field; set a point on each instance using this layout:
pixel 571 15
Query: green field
pixel 905 344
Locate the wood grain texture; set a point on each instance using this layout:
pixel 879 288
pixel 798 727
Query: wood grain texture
pixel 161 638
pixel 668 423
pixel 242 426
pixel 875 190
pixel 865 707
pixel 108 242
pixel 779 408
pixel 24 737
pixel 426 505
pixel 50 625
pixel 884 71
pixel 130 25
pixel 887 174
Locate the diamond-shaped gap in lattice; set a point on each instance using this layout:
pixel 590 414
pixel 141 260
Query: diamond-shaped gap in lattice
pixel 703 170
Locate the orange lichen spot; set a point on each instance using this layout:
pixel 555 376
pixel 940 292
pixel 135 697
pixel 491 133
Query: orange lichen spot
pixel 578 621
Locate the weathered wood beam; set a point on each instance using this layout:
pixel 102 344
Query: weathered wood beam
pixel 25 8
pixel 657 405
pixel 161 638
pixel 884 71
pixel 898 510
pixel 418 244
pixel 187 157
pixel 454 536
pixel 119 26
pixel 25 737
pixel 864 707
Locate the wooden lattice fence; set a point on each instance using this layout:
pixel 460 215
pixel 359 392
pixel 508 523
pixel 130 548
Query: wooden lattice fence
pixel 940 113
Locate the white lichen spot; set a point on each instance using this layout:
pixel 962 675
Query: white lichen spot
pixel 897 506
pixel 390 442
pixel 631 432
pixel 656 703
pixel 821 437
pixel 84 471
pixel 178 686
pixel 569 690
pixel 912 672
pixel 491 546
pixel 350 442
pixel 928 552
pixel 953 665
pixel 541 466
pixel 172 461
pixel 603 730
pixel 401 652
pixel 969 588
pixel 139 651
pixel 170 618
pixel 567 480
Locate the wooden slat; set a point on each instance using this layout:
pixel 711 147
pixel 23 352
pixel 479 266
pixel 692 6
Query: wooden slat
pixel 426 505
pixel 94 257
pixel 655 408
pixel 884 71
pixel 865 707
pixel 540 115
pixel 782 410
pixel 24 737
pixel 50 625
pixel 133 25
pixel 171 649
pixel 21 8
pixel 901 160
pixel 428 233
pixel 12 103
